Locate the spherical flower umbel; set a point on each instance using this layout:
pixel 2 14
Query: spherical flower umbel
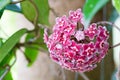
pixel 74 48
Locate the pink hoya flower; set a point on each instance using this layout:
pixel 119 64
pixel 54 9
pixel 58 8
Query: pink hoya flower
pixel 76 49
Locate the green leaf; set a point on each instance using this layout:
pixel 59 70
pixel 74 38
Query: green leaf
pixel 28 10
pixel 7 59
pixel 4 3
pixel 13 7
pixel 2 70
pixel 1 12
pixel 91 7
pixel 1 42
pixel 30 13
pixel 31 52
pixel 10 43
pixel 8 76
pixel 116 4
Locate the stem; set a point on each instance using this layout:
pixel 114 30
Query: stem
pixel 36 17
pixel 15 2
pixel 83 76
pixel 76 76
pixel 114 46
pixel 29 43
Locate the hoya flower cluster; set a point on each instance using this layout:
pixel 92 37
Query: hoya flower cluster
pixel 74 47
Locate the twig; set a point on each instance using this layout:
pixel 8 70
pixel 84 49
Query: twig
pixel 15 2
pixel 29 43
pixel 83 76
pixel 76 76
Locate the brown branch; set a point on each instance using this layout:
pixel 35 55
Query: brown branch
pixel 15 2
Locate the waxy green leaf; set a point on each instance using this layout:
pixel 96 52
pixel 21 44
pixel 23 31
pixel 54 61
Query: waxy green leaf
pixel 10 43
pixel 29 10
pixel 4 3
pixel 31 52
pixel 91 8
pixel 116 4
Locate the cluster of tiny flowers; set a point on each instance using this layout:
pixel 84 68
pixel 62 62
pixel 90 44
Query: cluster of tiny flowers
pixel 75 49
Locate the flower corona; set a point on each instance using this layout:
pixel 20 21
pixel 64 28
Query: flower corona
pixel 74 48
